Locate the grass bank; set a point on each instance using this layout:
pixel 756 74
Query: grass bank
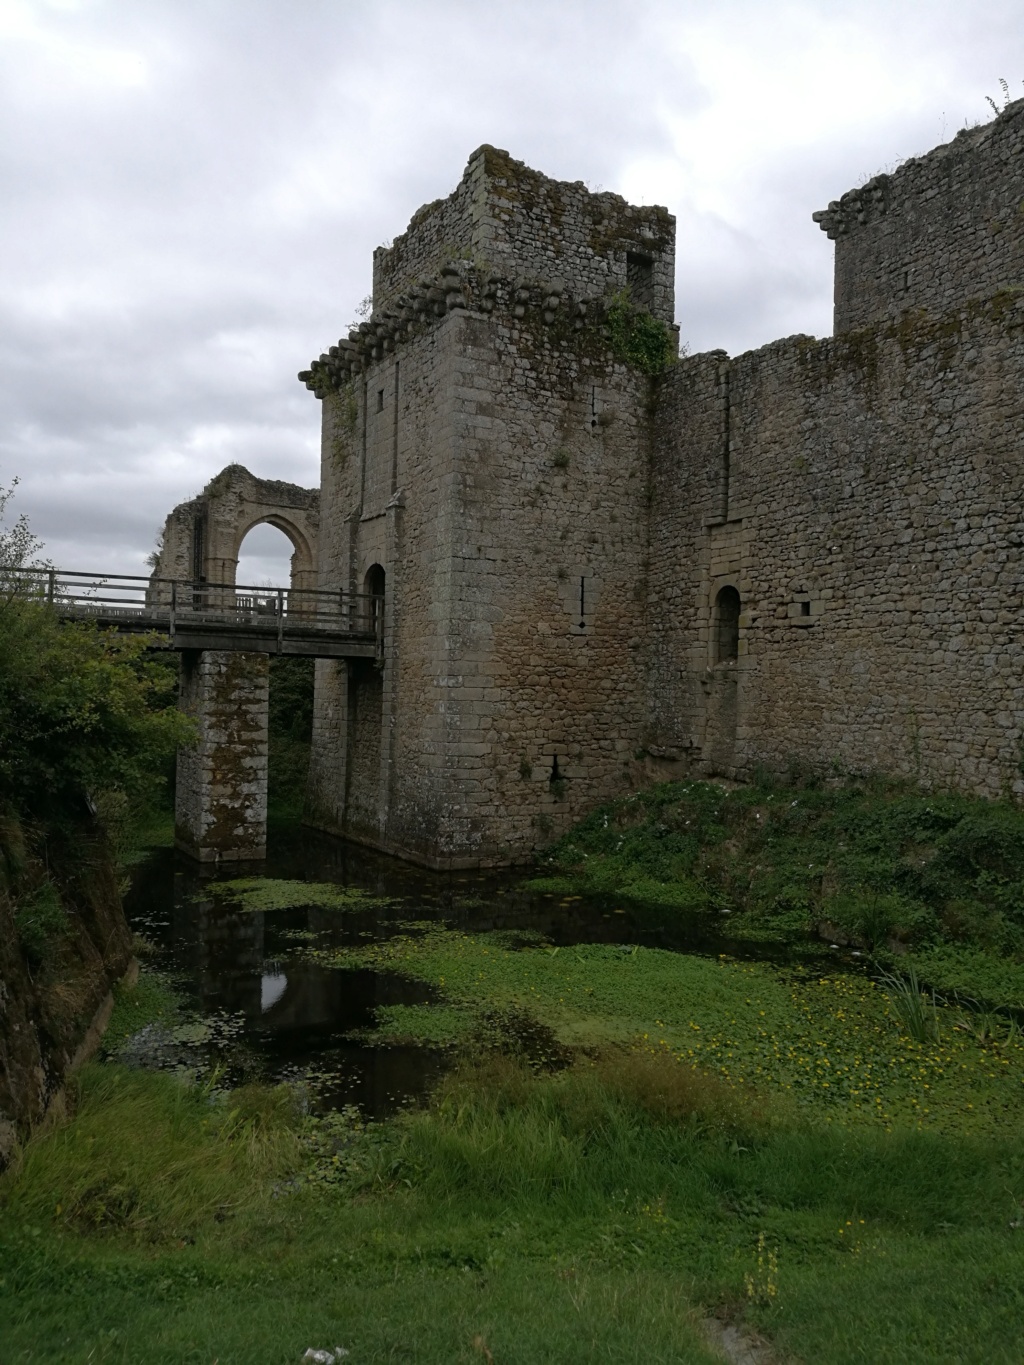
pixel 629 1140
pixel 593 1213
pixel 936 879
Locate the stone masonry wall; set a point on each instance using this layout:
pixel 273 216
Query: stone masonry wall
pixel 516 449
pixel 485 448
pixel 942 229
pixel 221 788
pixel 877 547
pixel 564 541
pixel 509 220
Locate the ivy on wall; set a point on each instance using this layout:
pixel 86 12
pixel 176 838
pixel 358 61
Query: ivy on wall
pixel 637 338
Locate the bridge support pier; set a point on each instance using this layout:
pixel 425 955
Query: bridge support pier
pixel 221 795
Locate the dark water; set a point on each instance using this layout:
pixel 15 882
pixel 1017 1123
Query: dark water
pixel 274 1014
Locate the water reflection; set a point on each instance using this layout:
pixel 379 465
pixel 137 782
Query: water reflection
pixel 299 1017
pixel 272 987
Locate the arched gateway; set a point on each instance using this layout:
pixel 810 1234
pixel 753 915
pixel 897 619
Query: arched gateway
pixel 201 538
pixel 221 793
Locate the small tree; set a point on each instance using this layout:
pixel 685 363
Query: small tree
pixel 19 548
pixel 85 713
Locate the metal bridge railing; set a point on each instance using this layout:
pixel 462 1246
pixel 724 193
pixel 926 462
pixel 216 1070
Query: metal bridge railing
pixel 169 604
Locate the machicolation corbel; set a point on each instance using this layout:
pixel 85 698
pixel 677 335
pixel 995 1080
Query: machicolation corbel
pixel 423 305
pixel 856 208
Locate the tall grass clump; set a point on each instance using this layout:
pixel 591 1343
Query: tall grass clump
pixel 498 1130
pixel 915 1009
pixel 147 1154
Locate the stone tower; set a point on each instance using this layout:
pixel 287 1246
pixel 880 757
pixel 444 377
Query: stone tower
pixel 485 462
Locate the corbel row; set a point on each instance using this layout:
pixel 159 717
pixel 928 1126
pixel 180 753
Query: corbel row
pixel 856 208
pixel 423 305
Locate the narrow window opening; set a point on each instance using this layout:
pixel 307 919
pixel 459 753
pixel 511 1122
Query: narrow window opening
pixel 593 409
pixel 640 279
pixel 380 400
pixel 906 280
pixel 805 608
pixel 373 586
pixel 583 603
pixel 198 562
pixel 556 776
pixel 727 626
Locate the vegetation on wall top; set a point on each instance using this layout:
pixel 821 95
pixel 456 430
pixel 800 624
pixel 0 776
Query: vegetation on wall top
pixel 637 338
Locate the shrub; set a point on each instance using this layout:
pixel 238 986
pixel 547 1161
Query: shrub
pixel 637 338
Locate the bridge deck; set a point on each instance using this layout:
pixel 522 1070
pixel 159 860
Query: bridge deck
pixel 192 614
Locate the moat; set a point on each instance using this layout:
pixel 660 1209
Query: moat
pixel 274 1011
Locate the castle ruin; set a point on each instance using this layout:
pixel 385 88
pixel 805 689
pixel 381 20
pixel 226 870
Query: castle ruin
pixel 599 568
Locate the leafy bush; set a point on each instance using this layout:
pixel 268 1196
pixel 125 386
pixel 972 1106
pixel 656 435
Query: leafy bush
pixel 873 858
pixel 291 698
pixel 874 917
pixel 637 338
pixel 88 727
pixel 82 711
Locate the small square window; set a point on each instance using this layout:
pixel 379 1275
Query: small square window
pixel 805 608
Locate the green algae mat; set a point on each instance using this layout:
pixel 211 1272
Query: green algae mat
pixel 834 1043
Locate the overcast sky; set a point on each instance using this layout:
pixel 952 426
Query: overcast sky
pixel 192 191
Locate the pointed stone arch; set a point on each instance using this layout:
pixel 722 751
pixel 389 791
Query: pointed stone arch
pixel 297 529
pixel 202 537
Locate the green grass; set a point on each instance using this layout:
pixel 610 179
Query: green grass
pixel 939 875
pixel 156 830
pixel 576 1216
pixel 631 1139
pixel 152 1000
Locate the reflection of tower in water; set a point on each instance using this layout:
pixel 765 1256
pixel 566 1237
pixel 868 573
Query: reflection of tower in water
pixel 221 945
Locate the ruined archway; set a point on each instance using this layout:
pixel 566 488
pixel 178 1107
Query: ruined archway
pixel 201 538
pixel 221 788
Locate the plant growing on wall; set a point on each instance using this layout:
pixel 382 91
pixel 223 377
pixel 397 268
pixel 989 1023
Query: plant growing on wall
pixel 1005 87
pixel 637 338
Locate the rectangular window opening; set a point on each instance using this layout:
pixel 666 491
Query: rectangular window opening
pixel 805 608
pixel 380 400
pixel 640 279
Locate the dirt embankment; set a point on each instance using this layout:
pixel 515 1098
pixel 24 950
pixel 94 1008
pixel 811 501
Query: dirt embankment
pixel 64 943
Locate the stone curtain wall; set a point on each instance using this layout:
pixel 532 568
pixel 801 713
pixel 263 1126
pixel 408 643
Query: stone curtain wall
pixel 879 553
pixel 563 537
pixel 689 490
pixel 941 229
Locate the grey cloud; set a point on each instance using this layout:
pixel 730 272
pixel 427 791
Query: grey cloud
pixel 175 250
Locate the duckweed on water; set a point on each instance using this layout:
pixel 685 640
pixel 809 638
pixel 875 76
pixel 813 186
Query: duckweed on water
pixel 267 893
pixel 430 1025
pixel 833 1042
